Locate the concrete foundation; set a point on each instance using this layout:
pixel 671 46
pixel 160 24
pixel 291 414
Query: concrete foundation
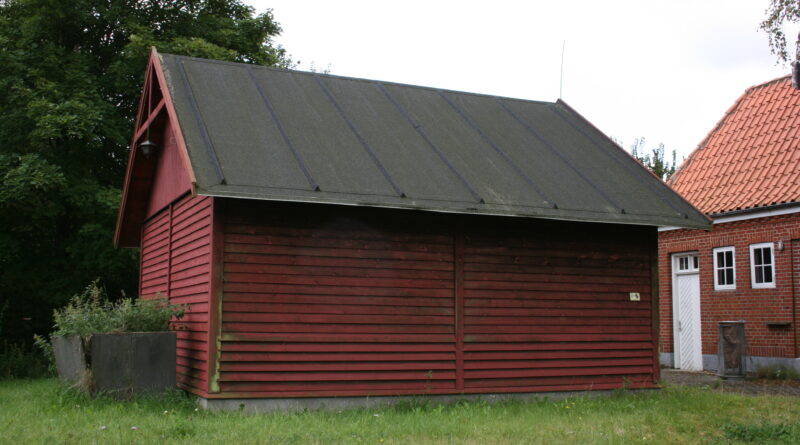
pixel 711 362
pixel 341 403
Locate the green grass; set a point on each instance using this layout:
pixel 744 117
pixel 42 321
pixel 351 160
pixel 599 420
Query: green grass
pixel 42 411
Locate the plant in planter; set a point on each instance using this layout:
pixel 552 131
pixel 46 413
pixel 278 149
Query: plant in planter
pixel 122 347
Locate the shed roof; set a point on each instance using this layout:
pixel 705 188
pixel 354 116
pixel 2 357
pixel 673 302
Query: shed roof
pixel 751 158
pixel 273 134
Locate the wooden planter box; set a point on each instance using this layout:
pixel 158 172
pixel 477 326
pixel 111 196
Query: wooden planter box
pixel 123 364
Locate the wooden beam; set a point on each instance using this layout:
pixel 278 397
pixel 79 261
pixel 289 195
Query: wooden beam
pixel 150 118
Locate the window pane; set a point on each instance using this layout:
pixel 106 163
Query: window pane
pixel 767 274
pixel 728 276
pixel 728 258
pixel 720 259
pixel 767 255
pixel 759 274
pixel 758 260
pixel 682 263
pixel 696 262
pixel 720 276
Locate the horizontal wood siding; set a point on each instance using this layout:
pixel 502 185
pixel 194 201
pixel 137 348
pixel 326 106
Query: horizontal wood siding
pixel 331 301
pixel 176 263
pixel 550 310
pixel 335 305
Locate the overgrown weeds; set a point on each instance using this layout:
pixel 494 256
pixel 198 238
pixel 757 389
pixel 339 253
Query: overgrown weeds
pixel 763 432
pixel 18 360
pixel 776 372
pixel 92 313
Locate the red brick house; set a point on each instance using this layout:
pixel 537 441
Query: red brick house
pixel 745 175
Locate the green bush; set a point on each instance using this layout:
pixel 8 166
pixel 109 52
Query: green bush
pixel 776 372
pixel 20 361
pixel 762 433
pixel 91 313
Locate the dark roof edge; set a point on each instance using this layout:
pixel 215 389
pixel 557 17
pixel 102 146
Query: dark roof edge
pixel 239 195
pixel 613 143
pixel 767 208
pixel 357 79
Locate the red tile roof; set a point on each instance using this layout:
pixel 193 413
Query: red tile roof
pixel 751 158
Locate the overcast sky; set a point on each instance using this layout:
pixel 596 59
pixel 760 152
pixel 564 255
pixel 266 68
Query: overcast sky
pixel 665 70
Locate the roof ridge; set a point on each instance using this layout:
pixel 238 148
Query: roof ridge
pixel 357 79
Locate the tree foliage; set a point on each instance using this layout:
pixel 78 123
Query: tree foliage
pixel 70 77
pixel 654 160
pixel 779 13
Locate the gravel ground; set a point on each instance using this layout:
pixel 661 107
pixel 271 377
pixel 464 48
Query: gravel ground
pixel 744 386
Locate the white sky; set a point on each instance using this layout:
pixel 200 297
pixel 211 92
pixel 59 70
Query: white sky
pixel 665 70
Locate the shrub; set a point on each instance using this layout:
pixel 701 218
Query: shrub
pixel 776 372
pixel 91 313
pixel 762 433
pixel 21 361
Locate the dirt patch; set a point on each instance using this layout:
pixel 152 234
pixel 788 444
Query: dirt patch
pixel 750 387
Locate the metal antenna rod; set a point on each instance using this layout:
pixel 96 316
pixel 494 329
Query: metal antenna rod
pixel 561 82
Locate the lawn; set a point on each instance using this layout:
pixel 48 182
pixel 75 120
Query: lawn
pixel 42 411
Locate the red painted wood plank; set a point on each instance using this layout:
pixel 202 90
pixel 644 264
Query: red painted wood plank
pixel 336 290
pixel 338 243
pixel 552 381
pixel 555 320
pixel 190 234
pixel 543 364
pixel 528 315
pixel 234 390
pixel 531 306
pixel 361 319
pixel 357 309
pixel 334 376
pixel 317 389
pixel 555 292
pixel 339 300
pixel 486 278
pixel 335 357
pixel 553 285
pixel 565 266
pixel 336 253
pixel 229 346
pixel 551 255
pixel 337 338
pixel 364 263
pixel 338 271
pixel 560 337
pixel 199 289
pixel 556 354
pixel 553 372
pixel 237 367
pixel 555 330
pixel 191 249
pixel 336 281
pixel 335 328
pixel 295 229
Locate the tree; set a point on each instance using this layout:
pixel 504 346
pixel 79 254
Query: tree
pixel 654 161
pixel 70 78
pixel 779 13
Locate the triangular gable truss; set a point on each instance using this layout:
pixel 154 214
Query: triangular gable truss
pixel 155 109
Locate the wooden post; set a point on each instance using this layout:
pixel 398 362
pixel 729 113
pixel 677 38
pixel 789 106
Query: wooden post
pixel 215 295
pixel 654 290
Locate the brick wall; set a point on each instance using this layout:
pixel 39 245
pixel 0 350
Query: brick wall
pixel 756 306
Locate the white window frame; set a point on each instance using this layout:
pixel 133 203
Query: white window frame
pixel 716 268
pixel 753 284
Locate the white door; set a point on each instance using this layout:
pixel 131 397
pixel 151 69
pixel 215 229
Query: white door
pixel 686 311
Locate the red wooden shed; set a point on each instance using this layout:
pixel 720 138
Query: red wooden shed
pixel 345 237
